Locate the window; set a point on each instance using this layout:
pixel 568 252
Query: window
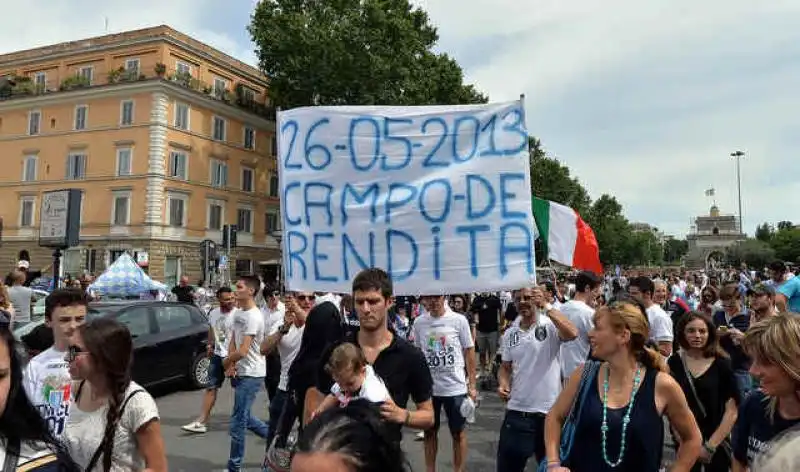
pixel 182 116
pixel 215 216
pixel 76 166
pixel 219 128
pixel 40 80
pixel 244 267
pixel 219 174
pixel 132 66
pixel 34 122
pixel 244 220
pixel 121 209
pixel 29 169
pixel 271 223
pixel 87 73
pixel 177 211
pixel 80 116
pixel 274 146
pixel 248 95
pixel 220 86
pixel 124 161
pixel 26 212
pixel 137 320
pixel 249 138
pixel 177 165
pixel 247 179
pixel 126 113
pixel 172 318
pixel 273 185
pixel 183 68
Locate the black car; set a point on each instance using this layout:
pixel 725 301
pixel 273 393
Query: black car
pixel 169 339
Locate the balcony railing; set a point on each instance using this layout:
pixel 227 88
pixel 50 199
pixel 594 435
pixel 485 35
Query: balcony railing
pixel 14 87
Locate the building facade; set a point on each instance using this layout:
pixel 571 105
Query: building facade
pixel 167 138
pixel 710 236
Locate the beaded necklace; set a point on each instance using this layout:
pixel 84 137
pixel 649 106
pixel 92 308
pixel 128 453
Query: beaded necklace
pixel 625 420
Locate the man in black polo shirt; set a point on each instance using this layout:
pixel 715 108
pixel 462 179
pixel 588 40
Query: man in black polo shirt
pixel 402 366
pixel 184 292
pixel 487 308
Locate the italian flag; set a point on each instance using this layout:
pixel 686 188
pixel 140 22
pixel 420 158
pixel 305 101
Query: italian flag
pixel 567 238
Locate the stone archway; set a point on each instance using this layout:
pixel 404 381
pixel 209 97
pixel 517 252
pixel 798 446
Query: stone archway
pixel 715 260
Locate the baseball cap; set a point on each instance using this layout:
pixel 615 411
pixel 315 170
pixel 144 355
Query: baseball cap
pixel 762 289
pixel 23 265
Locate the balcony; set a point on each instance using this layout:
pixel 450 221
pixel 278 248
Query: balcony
pixel 15 87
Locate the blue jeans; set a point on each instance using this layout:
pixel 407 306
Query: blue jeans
pixel 521 436
pixel 744 382
pixel 245 390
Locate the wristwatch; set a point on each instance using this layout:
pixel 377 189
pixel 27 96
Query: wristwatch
pixel 284 330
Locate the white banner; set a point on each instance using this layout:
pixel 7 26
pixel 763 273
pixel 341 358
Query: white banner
pixel 438 196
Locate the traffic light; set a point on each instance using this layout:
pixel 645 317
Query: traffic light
pixel 229 237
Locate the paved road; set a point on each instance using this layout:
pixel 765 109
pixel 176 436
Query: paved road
pixel 209 452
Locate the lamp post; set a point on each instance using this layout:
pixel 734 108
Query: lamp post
pixel 738 155
pixel 278 235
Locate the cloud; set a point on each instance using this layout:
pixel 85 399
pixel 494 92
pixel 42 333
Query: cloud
pixel 646 100
pixel 643 100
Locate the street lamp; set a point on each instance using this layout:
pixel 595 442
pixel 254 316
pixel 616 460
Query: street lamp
pixel 738 155
pixel 278 235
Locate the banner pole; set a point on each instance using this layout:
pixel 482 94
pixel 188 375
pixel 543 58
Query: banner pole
pixel 280 240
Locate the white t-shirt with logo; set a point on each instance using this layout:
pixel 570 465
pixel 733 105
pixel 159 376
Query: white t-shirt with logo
pixel 575 352
pixel 48 385
pixel 288 347
pixel 535 366
pixel 373 390
pixel 221 324
pixel 660 324
pixel 443 340
pixel 250 323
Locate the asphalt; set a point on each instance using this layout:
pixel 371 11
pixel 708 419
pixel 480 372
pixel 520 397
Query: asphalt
pixel 209 451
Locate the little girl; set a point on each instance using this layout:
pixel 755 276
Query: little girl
pixel 354 379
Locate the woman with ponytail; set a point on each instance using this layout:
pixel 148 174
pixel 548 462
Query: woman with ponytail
pixel 113 424
pixel 620 427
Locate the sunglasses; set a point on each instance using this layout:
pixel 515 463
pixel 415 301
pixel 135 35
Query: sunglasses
pixel 73 352
pixel 303 298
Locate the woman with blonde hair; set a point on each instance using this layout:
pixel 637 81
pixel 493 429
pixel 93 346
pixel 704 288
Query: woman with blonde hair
pixel 617 423
pixel 774 347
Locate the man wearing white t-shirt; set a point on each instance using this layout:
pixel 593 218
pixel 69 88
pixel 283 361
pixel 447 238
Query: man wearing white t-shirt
pixel 46 378
pixel 220 321
pixel 445 339
pixel 580 312
pixel 642 288
pixel 285 336
pixel 246 366
pixel 530 377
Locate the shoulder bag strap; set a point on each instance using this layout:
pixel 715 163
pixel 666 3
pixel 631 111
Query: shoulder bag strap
pixel 584 387
pixel 12 455
pixel 690 380
pixel 99 450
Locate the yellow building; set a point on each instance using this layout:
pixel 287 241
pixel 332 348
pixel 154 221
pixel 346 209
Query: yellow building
pixel 167 138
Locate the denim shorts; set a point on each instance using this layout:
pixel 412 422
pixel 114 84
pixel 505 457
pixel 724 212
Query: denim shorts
pixel 216 374
pixel 452 408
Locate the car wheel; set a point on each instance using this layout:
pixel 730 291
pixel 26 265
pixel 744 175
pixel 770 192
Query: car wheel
pixel 198 375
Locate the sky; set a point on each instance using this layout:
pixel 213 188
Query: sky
pixel 644 101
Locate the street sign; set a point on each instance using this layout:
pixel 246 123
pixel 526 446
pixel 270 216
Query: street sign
pixel 60 218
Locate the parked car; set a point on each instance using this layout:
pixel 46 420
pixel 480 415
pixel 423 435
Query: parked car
pixel 169 339
pixel 37 311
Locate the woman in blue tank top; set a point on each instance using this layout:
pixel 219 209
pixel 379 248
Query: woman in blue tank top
pixel 620 428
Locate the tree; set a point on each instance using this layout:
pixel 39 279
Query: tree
pixel 674 249
pixel 786 243
pixel 613 232
pixel 354 52
pixel 764 232
pixel 752 252
pixel 784 225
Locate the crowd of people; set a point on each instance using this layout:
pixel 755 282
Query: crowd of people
pixel 631 372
